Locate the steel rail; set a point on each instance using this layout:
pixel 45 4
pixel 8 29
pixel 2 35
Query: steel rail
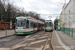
pixel 30 42
pixel 46 42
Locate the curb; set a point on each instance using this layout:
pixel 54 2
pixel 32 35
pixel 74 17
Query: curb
pixel 6 36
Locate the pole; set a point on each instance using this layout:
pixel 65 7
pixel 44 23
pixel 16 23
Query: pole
pixel 6 32
pixel 72 32
pixel 69 18
pixel 65 1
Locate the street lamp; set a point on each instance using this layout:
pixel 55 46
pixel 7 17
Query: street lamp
pixel 69 18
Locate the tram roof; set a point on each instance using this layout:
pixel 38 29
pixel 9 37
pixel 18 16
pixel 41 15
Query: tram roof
pixel 20 17
pixel 27 17
pixel 35 19
pixel 30 18
pixel 48 20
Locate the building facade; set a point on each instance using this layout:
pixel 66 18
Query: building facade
pixel 67 16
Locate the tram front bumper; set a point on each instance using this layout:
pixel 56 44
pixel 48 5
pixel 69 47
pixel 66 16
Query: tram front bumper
pixel 49 30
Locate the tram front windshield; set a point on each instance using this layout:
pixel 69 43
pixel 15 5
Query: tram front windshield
pixel 20 22
pixel 48 24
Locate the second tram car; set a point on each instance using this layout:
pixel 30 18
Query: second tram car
pixel 48 25
pixel 27 25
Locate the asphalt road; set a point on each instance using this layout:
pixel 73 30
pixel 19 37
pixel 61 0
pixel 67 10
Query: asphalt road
pixel 37 41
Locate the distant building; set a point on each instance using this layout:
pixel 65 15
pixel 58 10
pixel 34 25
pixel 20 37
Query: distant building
pixel 67 16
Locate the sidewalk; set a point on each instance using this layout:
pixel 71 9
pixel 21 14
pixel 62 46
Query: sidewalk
pixel 5 33
pixel 62 41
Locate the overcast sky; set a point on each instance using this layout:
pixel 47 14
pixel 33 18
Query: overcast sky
pixel 43 7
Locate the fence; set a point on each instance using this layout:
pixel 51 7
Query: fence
pixel 68 31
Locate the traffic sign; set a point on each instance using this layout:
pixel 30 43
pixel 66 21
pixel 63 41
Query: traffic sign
pixel 10 24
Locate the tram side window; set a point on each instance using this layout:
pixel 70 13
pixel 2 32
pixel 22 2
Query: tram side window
pixel 39 25
pixel 35 25
pixel 31 24
pixel 27 24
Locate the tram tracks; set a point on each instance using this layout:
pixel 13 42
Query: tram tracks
pixel 27 44
pixel 46 43
pixel 31 36
pixel 14 38
pixel 22 48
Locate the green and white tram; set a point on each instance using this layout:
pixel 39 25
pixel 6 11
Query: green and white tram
pixel 26 25
pixel 48 25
